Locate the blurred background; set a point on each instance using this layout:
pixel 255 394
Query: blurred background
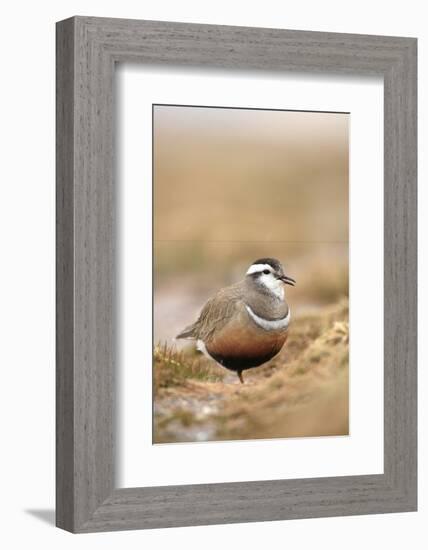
pixel 233 185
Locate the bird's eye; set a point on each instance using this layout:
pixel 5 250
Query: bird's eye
pixel 266 271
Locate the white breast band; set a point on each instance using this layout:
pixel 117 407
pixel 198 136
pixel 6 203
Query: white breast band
pixel 278 324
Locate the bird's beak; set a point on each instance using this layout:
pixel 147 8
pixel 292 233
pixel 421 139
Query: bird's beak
pixel 287 280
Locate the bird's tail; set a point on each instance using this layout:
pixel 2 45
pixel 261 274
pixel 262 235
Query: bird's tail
pixel 188 332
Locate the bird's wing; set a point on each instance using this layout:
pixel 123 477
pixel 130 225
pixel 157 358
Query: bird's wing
pixel 215 314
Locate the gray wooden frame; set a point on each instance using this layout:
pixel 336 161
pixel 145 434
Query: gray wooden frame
pixel 87 50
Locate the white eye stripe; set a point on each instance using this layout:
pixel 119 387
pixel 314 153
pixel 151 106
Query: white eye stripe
pixel 258 268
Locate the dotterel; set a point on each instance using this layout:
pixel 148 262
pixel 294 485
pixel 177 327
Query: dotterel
pixel 246 324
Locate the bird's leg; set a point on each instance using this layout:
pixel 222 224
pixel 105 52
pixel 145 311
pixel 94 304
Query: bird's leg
pixel 240 376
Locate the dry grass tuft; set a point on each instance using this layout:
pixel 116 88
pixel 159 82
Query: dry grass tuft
pixel 174 368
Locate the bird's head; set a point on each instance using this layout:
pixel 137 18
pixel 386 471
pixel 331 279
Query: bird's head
pixel 268 273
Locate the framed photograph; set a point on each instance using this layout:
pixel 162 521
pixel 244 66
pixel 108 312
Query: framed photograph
pixel 236 274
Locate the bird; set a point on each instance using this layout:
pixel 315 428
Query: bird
pixel 246 324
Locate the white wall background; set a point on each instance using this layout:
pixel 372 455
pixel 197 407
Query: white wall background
pixel 27 272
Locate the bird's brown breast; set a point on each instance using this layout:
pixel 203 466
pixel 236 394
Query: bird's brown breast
pixel 242 339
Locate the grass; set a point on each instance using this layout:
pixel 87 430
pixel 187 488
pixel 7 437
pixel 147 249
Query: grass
pixel 301 392
pixel 175 369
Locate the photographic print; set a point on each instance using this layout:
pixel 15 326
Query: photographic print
pixel 251 254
